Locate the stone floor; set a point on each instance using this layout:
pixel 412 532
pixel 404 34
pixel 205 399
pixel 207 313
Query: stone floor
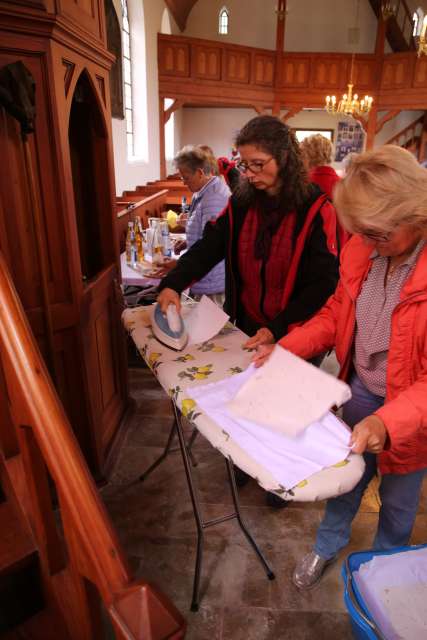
pixel 155 523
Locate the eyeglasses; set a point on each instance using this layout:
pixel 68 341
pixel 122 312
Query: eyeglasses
pixel 375 236
pixel 256 166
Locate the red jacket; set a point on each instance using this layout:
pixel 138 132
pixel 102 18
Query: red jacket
pixel 326 177
pixel 405 410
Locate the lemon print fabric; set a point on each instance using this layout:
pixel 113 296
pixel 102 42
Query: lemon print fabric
pixel 187 409
pixel 153 361
pixel 196 373
pixel 211 346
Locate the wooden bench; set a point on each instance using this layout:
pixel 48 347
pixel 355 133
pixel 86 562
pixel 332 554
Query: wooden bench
pixel 129 206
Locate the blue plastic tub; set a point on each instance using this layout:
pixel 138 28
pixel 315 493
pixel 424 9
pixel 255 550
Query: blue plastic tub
pixel 364 628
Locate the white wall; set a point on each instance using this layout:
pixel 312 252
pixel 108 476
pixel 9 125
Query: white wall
pixel 146 19
pixel 311 25
pixel 215 127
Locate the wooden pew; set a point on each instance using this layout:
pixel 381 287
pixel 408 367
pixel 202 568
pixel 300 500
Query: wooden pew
pixel 127 207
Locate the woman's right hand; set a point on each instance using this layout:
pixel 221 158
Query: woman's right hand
pixel 169 296
pixel 262 354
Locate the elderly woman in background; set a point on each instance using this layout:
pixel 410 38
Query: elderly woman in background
pixel 377 321
pixel 210 195
pixel 277 235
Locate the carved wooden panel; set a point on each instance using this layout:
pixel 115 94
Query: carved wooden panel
pixel 237 66
pixel 206 62
pixel 295 71
pixel 174 59
pixel 88 14
pixel 328 72
pixel 363 74
pixel 397 72
pixel 263 69
pixel 420 73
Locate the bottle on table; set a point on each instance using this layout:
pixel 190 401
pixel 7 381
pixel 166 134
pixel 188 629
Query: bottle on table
pixel 139 239
pixel 166 242
pixel 157 247
pixel 131 257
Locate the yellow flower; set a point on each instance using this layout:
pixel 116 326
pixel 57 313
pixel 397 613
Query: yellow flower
pixel 218 349
pixel 200 376
pixel 188 356
pixel 187 405
pixel 343 463
pixel 205 369
pixel 302 484
pixel 153 358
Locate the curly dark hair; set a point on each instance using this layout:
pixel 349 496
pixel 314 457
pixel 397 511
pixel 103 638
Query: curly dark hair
pixel 273 136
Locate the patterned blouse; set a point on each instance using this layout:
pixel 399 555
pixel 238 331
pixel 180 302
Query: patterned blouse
pixel 374 307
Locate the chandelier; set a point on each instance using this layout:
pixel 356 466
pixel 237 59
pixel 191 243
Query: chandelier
pixel 422 40
pixel 349 104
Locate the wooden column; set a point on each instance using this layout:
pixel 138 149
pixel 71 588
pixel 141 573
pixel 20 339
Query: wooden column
pixel 371 128
pixel 162 138
pixel 280 43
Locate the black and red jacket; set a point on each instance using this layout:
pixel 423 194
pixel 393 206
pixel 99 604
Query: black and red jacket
pixel 312 275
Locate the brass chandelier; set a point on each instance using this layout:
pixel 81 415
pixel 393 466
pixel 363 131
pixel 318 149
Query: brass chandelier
pixel 422 40
pixel 349 104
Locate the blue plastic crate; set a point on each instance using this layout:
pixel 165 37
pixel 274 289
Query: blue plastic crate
pixel 364 628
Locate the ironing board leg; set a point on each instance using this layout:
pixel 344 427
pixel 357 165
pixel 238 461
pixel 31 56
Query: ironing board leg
pixel 196 510
pixel 168 449
pixel 232 480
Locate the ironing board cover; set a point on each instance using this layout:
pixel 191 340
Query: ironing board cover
pixel 211 361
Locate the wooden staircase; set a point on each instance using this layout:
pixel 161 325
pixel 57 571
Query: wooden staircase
pixel 398 27
pixel 61 564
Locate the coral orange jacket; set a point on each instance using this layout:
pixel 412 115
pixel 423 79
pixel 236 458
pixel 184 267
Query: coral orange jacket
pixel 404 412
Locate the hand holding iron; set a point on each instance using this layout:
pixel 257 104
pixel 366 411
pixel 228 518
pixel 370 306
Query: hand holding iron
pixel 169 296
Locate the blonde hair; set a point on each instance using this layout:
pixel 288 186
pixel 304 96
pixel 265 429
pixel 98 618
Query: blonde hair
pixel 382 189
pixel 316 150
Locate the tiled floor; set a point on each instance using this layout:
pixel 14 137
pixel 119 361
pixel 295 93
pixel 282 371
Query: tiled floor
pixel 155 523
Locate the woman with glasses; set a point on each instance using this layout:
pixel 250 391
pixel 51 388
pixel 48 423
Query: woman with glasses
pixel 377 322
pixel 277 235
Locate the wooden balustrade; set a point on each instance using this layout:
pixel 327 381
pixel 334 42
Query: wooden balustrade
pixel 128 206
pixel 233 75
pixel 84 561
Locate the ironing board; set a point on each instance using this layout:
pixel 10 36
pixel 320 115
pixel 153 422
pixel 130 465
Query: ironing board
pixel 212 361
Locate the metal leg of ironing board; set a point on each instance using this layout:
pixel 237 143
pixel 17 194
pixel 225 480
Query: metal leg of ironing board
pixel 204 524
pixel 196 510
pixel 234 494
pixel 168 449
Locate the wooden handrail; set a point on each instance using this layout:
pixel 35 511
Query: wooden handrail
pixel 93 548
pixel 395 139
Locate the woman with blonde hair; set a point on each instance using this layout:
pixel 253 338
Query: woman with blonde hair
pixel 377 322
pixel 316 151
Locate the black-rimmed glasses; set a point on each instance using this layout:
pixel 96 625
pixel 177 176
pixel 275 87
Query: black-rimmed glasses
pixel 256 166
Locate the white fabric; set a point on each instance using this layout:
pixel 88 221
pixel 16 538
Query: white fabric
pixel 289 460
pixel 204 321
pixel 394 590
pixel 287 394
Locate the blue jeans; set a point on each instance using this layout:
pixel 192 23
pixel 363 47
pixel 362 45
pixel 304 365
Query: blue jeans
pixel 399 493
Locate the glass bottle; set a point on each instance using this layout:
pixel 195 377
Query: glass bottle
pixel 138 240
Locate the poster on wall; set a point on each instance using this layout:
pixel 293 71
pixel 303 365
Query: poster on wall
pixel 350 139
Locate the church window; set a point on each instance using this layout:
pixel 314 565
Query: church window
pixel 127 71
pixel 223 21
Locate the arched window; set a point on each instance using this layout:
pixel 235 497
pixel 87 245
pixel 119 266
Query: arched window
pixel 114 44
pixel 417 21
pixel 127 70
pixel 223 21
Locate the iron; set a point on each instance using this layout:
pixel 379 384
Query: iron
pixel 169 329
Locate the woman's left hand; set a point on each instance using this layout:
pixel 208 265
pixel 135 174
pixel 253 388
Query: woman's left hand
pixel 262 354
pixel 369 435
pixel 262 336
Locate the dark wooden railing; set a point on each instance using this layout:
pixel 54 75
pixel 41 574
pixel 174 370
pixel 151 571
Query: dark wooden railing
pixel 82 563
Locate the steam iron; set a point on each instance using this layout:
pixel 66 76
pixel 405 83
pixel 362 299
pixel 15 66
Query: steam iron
pixel 169 329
